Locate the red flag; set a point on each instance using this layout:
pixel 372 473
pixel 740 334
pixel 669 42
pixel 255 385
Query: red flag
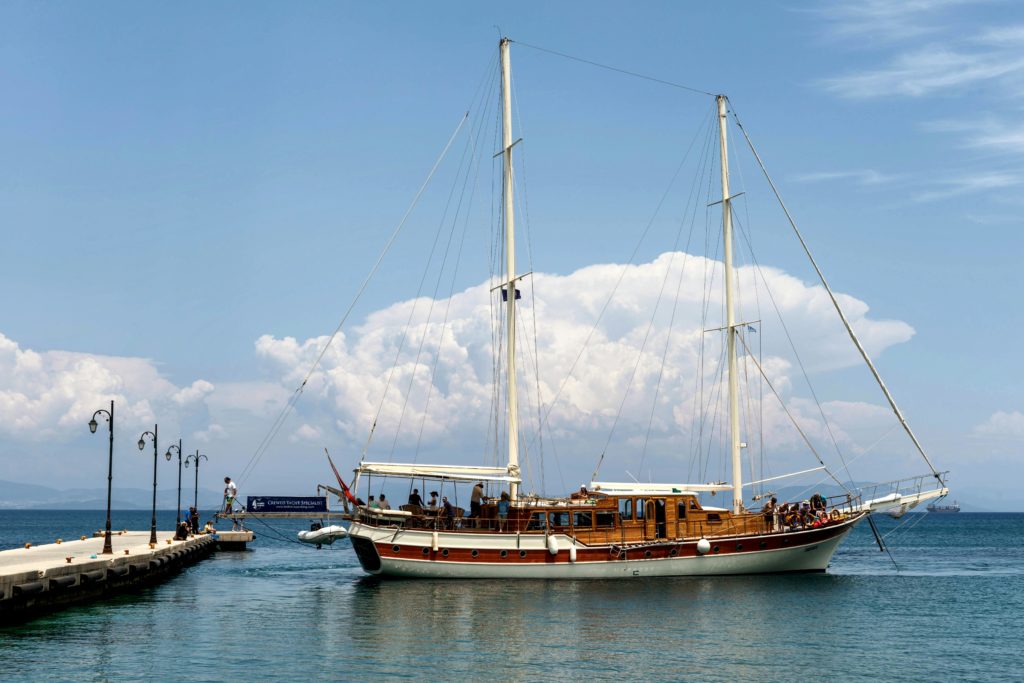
pixel 341 483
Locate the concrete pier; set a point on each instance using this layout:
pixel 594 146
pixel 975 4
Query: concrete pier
pixel 39 579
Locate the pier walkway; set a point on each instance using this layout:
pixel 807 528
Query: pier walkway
pixel 37 579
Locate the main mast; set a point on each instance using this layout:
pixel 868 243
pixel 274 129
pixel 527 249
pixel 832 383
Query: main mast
pixel 510 267
pixel 730 329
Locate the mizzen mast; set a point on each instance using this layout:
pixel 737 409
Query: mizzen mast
pixel 730 329
pixel 510 266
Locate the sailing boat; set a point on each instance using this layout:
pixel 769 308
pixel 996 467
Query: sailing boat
pixel 609 529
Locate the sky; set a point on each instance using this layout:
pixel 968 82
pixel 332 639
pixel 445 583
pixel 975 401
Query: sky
pixel 192 196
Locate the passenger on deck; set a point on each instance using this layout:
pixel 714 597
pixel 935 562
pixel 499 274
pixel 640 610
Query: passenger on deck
pixel 383 503
pixel 447 514
pixel 769 511
pixel 503 505
pixel 414 498
pixel 432 505
pixel 374 504
pixel 474 500
pixel 583 494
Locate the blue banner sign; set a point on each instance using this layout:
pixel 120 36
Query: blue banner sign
pixel 286 504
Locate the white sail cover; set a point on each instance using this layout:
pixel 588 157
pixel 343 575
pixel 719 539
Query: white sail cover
pixel 636 488
pixel 455 472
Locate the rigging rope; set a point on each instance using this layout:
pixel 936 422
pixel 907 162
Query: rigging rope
pixel 616 69
pixel 789 414
pixel 835 303
pixel 261 449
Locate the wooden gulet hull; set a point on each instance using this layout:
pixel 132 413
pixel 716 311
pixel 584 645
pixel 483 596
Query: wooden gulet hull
pixel 417 553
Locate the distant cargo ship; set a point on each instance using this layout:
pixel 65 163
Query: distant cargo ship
pixel 955 507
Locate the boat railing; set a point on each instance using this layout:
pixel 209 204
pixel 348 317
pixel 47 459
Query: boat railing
pixel 897 489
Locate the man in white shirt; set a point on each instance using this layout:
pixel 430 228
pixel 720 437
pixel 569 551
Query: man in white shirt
pixel 230 491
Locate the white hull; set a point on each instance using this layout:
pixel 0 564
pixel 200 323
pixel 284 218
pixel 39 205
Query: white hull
pixel 802 557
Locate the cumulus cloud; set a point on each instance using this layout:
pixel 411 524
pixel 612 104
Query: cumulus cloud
pixel 52 394
pixel 306 432
pixel 199 390
pixel 441 391
pixel 211 433
pixel 1002 425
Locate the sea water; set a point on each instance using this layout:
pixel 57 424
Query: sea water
pixel 948 605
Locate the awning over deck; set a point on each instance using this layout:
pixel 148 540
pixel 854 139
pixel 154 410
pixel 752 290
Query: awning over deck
pixel 451 472
pixel 618 488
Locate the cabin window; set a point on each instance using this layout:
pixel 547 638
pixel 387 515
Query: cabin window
pixel 604 520
pixel 714 517
pixel 582 520
pixel 682 511
pixel 640 505
pixel 537 520
pixel 559 519
pixel 626 508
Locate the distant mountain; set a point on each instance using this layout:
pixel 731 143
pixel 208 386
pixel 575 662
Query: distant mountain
pixel 18 496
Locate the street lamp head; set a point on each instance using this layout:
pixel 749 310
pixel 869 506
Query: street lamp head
pixel 93 425
pixel 142 443
pixel 168 456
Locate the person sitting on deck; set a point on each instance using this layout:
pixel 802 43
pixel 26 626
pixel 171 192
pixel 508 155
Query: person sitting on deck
pixel 414 498
pixel 181 533
pixel 209 528
pixel 583 494
pixel 374 504
pixel 383 503
pixel 432 505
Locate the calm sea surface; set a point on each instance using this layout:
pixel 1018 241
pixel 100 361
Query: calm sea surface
pixel 283 611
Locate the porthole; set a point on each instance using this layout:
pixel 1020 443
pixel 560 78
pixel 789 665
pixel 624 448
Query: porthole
pixel 396 549
pixel 785 541
pixel 426 551
pixel 673 552
pixel 444 553
pixel 647 553
pixel 764 544
pixel 715 549
pixel 522 553
pixel 739 546
pixel 475 553
pixel 504 554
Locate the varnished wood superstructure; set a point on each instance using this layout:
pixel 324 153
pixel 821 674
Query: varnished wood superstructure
pixel 593 537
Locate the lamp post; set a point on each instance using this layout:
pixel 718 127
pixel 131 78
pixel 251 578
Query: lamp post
pixel 195 457
pixel 142 445
pixel 107 548
pixel 172 447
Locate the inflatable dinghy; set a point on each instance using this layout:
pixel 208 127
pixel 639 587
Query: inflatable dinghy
pixel 323 536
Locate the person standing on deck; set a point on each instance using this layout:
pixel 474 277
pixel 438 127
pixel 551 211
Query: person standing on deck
pixel 474 500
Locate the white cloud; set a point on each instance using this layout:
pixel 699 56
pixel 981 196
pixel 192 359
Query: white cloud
pixel 199 390
pixel 928 70
pixel 969 184
pixel 865 176
pixel 212 433
pixel 52 394
pixel 986 133
pixel 447 408
pixel 306 432
pixel 1002 425
pixel 884 20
